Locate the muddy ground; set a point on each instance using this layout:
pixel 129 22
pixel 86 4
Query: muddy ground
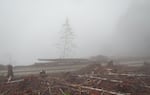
pixel 93 79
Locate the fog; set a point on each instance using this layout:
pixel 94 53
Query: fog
pixel 30 29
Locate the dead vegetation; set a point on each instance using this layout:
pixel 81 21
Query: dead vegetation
pixel 94 79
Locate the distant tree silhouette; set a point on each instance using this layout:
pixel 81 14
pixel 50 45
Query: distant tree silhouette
pixel 134 27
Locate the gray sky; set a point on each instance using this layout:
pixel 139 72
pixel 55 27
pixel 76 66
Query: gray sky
pixel 29 29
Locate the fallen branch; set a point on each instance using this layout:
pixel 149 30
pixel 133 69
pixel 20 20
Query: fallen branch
pixel 97 89
pixel 133 75
pixel 15 81
pixel 105 79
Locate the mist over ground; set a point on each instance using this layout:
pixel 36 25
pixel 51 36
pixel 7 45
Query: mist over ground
pixel 30 29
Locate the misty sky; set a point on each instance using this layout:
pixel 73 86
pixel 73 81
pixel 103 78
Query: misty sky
pixel 30 29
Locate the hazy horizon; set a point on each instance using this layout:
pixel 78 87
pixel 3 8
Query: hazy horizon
pixel 30 29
